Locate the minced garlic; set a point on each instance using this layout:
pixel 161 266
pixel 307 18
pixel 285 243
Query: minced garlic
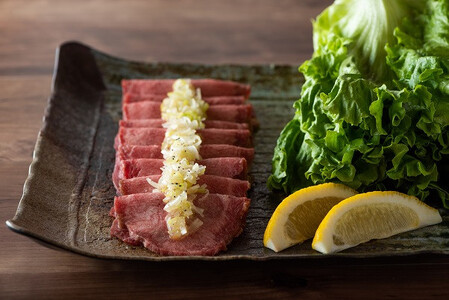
pixel 183 112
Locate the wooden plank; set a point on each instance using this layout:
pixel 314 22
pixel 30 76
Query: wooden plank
pixel 196 31
pixel 233 279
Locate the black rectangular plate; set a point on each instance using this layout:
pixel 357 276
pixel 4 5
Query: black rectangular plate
pixel 69 192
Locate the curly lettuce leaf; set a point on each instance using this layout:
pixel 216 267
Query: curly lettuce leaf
pixel 374 108
pixel 368 25
pixel 290 158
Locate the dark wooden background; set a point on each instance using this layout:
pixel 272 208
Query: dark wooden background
pixel 246 31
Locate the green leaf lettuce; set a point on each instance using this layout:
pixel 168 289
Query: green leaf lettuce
pixel 374 108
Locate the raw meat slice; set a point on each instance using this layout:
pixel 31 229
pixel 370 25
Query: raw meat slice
pixel 215 185
pixel 152 110
pixel 140 218
pixel 129 97
pixel 209 87
pixel 155 136
pixel 148 123
pixel 206 151
pixel 122 233
pixel 233 167
pixel 157 123
pixel 231 113
pixel 225 100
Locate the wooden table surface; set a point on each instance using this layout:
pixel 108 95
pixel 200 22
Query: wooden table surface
pixel 246 31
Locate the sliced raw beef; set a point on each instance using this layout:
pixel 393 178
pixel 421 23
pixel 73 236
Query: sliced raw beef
pixel 233 167
pixel 157 123
pixel 122 233
pixel 225 152
pixel 206 151
pixel 140 218
pixel 152 110
pixel 149 123
pixel 155 136
pixel 209 87
pixel 127 98
pixel 225 100
pixel 215 185
pixel 231 113
pixel 133 151
pixel 236 137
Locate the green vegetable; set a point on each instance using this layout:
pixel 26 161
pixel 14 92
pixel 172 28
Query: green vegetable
pixel 374 108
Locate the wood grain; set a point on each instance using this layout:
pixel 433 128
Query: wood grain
pixel 246 31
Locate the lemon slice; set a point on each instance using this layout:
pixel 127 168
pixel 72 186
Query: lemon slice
pixel 298 216
pixel 373 215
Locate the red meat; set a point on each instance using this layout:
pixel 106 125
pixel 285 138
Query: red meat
pixel 206 151
pixel 140 218
pixel 155 136
pixel 209 87
pixel 152 110
pixel 129 97
pixel 157 123
pixel 232 167
pixel 215 185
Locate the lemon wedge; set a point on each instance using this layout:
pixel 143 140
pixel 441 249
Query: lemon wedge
pixel 373 215
pixel 298 216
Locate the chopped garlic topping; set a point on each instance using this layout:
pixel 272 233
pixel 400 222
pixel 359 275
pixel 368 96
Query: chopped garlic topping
pixel 183 112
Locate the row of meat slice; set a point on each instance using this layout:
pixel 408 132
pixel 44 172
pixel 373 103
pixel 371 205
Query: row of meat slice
pixel 226 151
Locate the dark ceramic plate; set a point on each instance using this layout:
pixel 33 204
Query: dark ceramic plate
pixel 69 192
